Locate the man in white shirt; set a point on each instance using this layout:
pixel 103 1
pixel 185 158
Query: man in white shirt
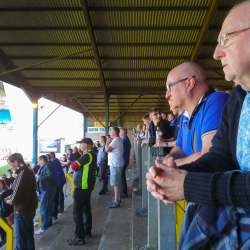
pixel 114 148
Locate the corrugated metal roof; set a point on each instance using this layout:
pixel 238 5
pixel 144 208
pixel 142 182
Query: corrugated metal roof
pixel 148 18
pixel 148 3
pixel 63 83
pixel 147 36
pixel 138 43
pixel 44 36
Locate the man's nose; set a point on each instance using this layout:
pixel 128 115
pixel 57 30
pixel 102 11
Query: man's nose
pixel 168 95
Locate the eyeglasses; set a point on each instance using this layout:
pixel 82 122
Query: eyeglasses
pixel 168 87
pixel 155 114
pixel 224 37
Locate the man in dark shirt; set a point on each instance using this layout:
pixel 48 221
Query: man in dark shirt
pixel 24 200
pixel 164 126
pixel 73 155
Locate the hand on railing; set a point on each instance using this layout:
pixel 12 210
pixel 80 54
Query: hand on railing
pixel 166 182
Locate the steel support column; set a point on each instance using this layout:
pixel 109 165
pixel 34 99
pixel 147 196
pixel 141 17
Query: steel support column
pixel 107 119
pixel 35 129
pixel 84 126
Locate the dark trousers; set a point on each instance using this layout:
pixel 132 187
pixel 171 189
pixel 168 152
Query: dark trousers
pixel 123 180
pixel 104 176
pixel 24 231
pixel 82 212
pixel 55 203
pixel 61 196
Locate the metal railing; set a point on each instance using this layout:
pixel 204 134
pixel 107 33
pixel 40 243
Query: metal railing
pixel 164 222
pixel 9 233
pixel 72 182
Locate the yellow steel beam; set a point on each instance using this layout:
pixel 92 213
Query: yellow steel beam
pixel 9 233
pixel 205 27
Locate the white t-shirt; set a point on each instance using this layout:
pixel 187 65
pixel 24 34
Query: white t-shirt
pixel 115 158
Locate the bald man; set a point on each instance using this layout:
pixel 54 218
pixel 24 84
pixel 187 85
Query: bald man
pixel 188 90
pixel 218 182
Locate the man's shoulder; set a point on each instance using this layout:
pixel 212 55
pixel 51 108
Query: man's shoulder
pixel 218 96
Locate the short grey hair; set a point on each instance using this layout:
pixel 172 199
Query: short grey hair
pixel 125 130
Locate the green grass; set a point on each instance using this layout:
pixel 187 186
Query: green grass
pixel 3 169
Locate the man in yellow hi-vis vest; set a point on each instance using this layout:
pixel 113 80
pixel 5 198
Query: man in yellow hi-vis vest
pixel 84 182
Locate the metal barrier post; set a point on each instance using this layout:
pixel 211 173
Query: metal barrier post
pixel 39 216
pixel 139 169
pixel 152 208
pixel 72 182
pixel 166 226
pixel 9 233
pixel 143 211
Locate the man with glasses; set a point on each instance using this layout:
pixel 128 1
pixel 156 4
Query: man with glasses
pixel 219 181
pixel 203 107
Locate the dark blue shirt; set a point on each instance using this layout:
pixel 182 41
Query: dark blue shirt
pixel 126 149
pixel 56 175
pixel 74 157
pixel 55 162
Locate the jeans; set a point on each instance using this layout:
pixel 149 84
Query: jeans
pixel 104 176
pixel 61 196
pixel 82 210
pixel 24 231
pixel 123 180
pixel 46 206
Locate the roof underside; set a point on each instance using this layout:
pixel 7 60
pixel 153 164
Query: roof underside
pixel 134 45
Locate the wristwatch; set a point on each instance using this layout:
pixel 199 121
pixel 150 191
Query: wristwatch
pixel 165 144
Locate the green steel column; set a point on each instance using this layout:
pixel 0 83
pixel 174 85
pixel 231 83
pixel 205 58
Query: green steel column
pixel 107 119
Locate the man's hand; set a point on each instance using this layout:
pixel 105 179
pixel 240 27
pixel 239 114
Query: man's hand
pixel 36 177
pixel 142 144
pixel 7 200
pixel 138 138
pixel 166 182
pixel 109 140
pixel 159 143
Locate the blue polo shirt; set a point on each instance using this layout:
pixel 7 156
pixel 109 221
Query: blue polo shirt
pixel 205 121
pixel 74 157
pixel 126 149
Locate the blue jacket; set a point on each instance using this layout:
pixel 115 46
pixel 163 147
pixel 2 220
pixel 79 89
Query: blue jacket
pixel 57 164
pixel 126 149
pixel 46 177
pixel 56 175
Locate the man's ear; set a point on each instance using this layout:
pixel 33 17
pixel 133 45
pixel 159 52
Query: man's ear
pixel 190 84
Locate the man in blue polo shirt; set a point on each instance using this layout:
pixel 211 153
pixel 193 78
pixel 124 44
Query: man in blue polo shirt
pixel 187 88
pixel 126 153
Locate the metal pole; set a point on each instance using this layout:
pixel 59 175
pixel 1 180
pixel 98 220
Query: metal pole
pixel 84 126
pixel 35 128
pixel 107 120
pixel 89 112
pixel 166 226
pixel 152 211
pixel 51 113
pixel 120 122
pixel 143 211
pixel 126 110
